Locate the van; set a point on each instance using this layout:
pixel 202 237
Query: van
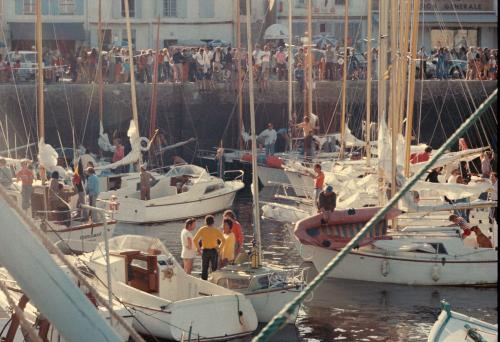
pixel 28 63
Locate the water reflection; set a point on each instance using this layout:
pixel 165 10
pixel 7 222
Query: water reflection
pixel 342 310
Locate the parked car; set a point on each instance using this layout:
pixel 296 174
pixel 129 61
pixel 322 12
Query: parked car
pixel 218 43
pixel 28 63
pixel 457 68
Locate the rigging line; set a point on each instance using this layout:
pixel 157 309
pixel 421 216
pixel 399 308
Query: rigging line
pixel 25 324
pixel 88 113
pixel 16 87
pixel 280 319
pixel 438 112
pixel 442 26
pixel 422 75
pixel 468 103
pixel 462 116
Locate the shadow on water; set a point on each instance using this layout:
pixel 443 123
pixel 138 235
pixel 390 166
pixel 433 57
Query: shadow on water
pixel 342 310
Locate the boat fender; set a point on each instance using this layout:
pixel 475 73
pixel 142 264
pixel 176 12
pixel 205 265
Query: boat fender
pixel 351 211
pixel 435 273
pixel 474 334
pixel 384 269
pixel 144 144
pixel 113 203
pixel 443 261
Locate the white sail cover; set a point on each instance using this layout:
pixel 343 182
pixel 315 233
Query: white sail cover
pixel 452 190
pixel 451 158
pixel 47 158
pixel 103 140
pixel 133 156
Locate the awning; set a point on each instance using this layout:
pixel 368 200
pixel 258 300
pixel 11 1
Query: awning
pixel 50 31
pixel 276 31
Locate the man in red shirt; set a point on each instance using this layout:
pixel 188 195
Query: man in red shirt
pixel 422 156
pixel 236 230
pixel 25 175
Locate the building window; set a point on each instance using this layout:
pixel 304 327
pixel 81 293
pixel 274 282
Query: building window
pixel 29 7
pixel 67 7
pixel 454 38
pixel 300 3
pixel 170 8
pixel 131 8
pixel 322 28
pixel 340 2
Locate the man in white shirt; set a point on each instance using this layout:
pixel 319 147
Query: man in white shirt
pixel 269 135
pixel 257 57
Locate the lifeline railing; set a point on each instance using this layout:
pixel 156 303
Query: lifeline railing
pixel 280 319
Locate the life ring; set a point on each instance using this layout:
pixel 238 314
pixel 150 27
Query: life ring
pixel 144 144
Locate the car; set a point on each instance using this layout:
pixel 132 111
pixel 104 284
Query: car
pixel 218 43
pixel 28 63
pixel 457 68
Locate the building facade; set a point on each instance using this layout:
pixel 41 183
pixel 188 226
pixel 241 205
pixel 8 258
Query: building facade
pixel 182 22
pixel 64 24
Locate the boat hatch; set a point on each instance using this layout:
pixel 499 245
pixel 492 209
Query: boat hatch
pixel 142 270
pixel 234 283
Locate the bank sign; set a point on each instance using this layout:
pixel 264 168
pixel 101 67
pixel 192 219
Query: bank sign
pixel 458 5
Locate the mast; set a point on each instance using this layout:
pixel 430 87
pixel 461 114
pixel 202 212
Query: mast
pixel 368 83
pixel 344 80
pixel 255 178
pixel 309 59
pixel 154 96
pixel 381 82
pixel 240 81
pixel 393 98
pixel 135 116
pixel 290 71
pixel 39 60
pixel 411 85
pixel 99 63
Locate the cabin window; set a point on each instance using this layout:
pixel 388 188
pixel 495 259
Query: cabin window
pixel 212 188
pixel 233 284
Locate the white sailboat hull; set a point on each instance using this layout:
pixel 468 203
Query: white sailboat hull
pixel 269 175
pixel 366 267
pixel 174 208
pixel 268 304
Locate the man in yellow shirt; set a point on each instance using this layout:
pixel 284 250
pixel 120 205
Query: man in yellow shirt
pixel 227 252
pixel 211 241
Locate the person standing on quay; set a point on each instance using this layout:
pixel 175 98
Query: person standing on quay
pixel 211 240
pixel 25 175
pixel 188 250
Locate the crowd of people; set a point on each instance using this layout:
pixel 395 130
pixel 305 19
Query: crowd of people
pixel 216 246
pixel 210 65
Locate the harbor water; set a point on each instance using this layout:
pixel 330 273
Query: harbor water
pixel 341 310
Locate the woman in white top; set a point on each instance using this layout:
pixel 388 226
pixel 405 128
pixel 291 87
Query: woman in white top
pixel 188 248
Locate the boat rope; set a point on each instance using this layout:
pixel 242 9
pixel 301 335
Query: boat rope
pixel 25 324
pixel 279 320
pixel 73 270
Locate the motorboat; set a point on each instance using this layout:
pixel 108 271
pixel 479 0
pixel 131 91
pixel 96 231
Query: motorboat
pixel 438 256
pixel 167 302
pixel 184 191
pixel 269 287
pixel 453 326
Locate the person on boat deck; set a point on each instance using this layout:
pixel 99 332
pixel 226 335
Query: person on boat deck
pixel 54 195
pixel 188 250
pixel 211 240
pixel 92 190
pixel 5 174
pixel 486 158
pixel 494 197
pixel 269 136
pixel 78 186
pixel 462 223
pixel 319 180
pixel 146 179
pixel 422 156
pixel 454 176
pixel 307 128
pixel 227 251
pixel 236 229
pixel 327 200
pixel 433 175
pixel 118 154
pixel 26 176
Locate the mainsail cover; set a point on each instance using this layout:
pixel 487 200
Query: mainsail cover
pixel 47 158
pixel 103 140
pixel 133 156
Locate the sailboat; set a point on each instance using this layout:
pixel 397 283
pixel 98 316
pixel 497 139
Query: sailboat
pixel 71 232
pixel 269 287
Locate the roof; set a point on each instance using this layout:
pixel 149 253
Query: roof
pixel 50 31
